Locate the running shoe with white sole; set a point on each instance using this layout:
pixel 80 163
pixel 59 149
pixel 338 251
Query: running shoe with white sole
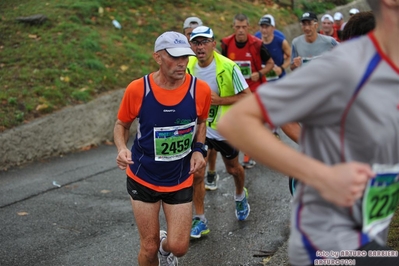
pixel 248 165
pixel 242 207
pixel 166 260
pixel 211 181
pixel 199 228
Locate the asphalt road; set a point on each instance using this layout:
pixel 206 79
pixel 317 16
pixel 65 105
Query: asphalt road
pixel 74 210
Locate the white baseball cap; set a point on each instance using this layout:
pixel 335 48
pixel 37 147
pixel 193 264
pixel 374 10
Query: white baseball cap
pixel 327 16
pixel 201 31
pixel 267 20
pixel 338 16
pixel 174 43
pixel 192 22
pixel 353 11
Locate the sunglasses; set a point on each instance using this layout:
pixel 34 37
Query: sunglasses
pixel 203 42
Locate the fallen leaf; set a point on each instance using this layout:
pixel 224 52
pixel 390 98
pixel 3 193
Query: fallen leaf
pixel 32 36
pixel 267 259
pixel 124 68
pixel 65 79
pixel 41 107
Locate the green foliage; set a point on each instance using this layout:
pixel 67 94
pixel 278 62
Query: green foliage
pixel 12 101
pixel 318 7
pixel 19 116
pixel 94 64
pixel 81 95
pixel 78 53
pixel 91 45
pixel 85 9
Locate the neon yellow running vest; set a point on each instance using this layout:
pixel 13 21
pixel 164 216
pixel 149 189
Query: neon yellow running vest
pixel 224 79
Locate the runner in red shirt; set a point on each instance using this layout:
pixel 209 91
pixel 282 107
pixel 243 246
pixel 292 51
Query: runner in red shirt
pixel 327 27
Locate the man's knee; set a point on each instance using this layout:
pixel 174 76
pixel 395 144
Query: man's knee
pixel 149 247
pixel 235 169
pixel 178 248
pixel 199 177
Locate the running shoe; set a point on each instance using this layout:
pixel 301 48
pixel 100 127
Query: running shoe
pixel 199 228
pixel 242 207
pixel 211 181
pixel 166 260
pixel 249 164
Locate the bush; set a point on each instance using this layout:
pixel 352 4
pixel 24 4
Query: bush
pixel 317 7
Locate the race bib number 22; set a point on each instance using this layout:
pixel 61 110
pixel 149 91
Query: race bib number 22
pixel 380 199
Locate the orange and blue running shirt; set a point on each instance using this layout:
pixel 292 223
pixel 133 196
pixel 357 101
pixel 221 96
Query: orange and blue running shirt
pixel 167 122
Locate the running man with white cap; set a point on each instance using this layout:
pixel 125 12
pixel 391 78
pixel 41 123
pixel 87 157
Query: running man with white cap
pixel 352 12
pixel 280 51
pixel 228 86
pixel 171 107
pixel 276 32
pixel 327 27
pixel 189 24
pixel 339 23
pixel 278 47
pixel 212 176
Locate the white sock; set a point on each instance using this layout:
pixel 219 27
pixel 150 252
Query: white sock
pixel 163 252
pixel 239 197
pixel 201 217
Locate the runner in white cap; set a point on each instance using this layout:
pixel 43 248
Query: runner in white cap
pixel 327 27
pixel 171 107
pixel 339 23
pixel 228 86
pixel 352 12
pixel 189 24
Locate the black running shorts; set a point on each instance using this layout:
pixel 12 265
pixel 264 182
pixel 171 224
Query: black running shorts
pixel 225 149
pixel 145 194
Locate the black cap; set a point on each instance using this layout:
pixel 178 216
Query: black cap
pixel 309 16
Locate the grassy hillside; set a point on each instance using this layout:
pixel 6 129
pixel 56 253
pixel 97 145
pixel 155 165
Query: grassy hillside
pixel 78 54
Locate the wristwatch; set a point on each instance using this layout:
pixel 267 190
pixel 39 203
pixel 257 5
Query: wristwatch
pixel 201 147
